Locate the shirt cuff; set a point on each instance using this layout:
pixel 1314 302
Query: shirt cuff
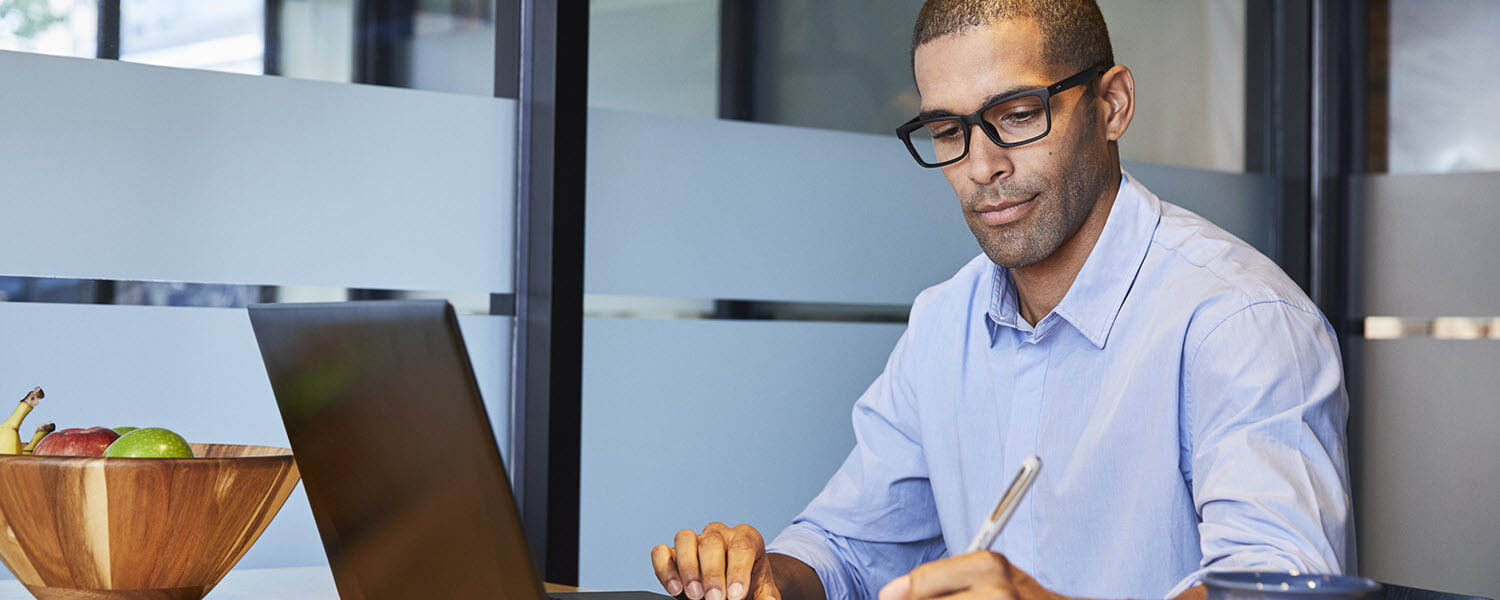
pixel 808 543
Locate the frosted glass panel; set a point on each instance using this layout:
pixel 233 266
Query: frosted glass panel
pixel 804 214
pixel 1436 48
pixel 699 208
pixel 675 70
pixel 1429 245
pixel 687 422
pixel 1189 66
pixel 846 65
pixel 125 171
pixel 1428 465
pixel 196 371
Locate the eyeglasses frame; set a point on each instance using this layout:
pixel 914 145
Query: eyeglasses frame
pixel 977 117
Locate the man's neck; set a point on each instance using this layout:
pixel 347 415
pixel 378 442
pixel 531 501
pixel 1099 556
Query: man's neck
pixel 1040 287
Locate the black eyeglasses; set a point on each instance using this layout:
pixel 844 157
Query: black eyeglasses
pixel 1017 119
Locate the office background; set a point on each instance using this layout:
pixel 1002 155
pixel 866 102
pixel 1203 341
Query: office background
pixel 674 292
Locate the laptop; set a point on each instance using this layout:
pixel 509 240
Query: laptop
pixel 397 454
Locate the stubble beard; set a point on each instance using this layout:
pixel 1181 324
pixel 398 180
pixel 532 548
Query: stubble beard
pixel 1057 213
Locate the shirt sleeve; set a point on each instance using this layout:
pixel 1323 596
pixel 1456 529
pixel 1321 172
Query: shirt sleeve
pixel 1266 414
pixel 876 519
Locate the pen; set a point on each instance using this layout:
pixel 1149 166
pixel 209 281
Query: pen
pixel 1007 505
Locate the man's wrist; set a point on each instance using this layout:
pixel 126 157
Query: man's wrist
pixel 1197 592
pixel 795 579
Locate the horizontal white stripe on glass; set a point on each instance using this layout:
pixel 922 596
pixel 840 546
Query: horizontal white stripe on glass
pixel 124 171
pixel 703 208
pixel 1443 328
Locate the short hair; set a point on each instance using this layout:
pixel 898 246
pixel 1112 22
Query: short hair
pixel 1073 30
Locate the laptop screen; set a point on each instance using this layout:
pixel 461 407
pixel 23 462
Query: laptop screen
pixel 396 451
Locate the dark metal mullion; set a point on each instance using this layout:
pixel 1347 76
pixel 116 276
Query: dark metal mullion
pixel 1279 120
pixel 380 27
pixel 107 38
pixel 1337 142
pixel 547 398
pixel 507 49
pixel 737 30
pixel 271 31
pixel 1259 87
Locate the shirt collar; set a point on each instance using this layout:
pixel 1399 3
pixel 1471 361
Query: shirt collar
pixel 1095 298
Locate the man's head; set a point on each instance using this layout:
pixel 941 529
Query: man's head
pixel 1074 32
pixel 1024 202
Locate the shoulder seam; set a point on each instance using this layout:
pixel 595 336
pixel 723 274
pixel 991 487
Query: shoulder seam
pixel 1237 287
pixel 1192 359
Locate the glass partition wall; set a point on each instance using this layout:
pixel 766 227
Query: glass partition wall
pixel 1428 298
pixel 675 215
pixel 441 45
pixel 151 198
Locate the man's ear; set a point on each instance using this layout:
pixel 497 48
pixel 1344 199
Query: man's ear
pixel 1117 89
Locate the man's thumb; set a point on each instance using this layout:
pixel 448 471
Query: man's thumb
pixel 765 581
pixel 897 589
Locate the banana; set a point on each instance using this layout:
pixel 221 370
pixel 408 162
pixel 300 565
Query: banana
pixel 10 430
pixel 41 432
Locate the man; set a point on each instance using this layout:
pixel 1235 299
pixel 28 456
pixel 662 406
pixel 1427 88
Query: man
pixel 1185 397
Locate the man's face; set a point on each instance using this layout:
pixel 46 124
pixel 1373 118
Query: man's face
pixel 1023 202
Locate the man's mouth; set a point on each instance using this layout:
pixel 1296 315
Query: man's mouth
pixel 1002 213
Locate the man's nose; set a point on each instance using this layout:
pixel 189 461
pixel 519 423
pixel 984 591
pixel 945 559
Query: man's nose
pixel 986 162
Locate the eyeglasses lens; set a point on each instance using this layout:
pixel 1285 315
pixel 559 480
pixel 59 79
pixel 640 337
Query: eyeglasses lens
pixel 1018 120
pixel 1014 121
pixel 939 141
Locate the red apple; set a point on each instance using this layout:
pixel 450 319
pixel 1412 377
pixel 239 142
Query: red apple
pixel 76 442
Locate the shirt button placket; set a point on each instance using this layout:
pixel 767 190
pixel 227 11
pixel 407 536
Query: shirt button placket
pixel 1021 438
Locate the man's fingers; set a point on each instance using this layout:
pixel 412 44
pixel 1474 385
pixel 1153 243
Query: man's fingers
pixel 751 534
pixel 987 592
pixel 687 563
pixel 716 527
pixel 954 575
pixel 763 582
pixel 666 569
pixel 744 550
pixel 713 565
pixel 711 558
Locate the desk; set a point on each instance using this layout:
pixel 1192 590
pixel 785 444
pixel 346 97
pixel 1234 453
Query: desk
pixel 297 583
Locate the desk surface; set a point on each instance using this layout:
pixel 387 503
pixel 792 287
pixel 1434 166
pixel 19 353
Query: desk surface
pixel 298 583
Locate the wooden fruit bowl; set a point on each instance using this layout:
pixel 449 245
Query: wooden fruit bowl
pixel 159 528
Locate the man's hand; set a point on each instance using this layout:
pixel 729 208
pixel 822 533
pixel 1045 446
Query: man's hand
pixel 979 575
pixel 718 564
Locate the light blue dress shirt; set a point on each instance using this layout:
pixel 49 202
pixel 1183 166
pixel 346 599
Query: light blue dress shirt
pixel 1185 397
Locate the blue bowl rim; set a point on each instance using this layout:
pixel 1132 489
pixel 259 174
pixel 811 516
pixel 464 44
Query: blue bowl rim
pixel 1253 581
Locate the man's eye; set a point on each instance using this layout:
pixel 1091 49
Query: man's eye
pixel 1022 117
pixel 946 133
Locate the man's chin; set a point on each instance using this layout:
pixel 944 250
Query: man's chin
pixel 1013 258
pixel 1009 251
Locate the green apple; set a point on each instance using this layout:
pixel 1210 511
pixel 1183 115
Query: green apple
pixel 125 430
pixel 149 442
